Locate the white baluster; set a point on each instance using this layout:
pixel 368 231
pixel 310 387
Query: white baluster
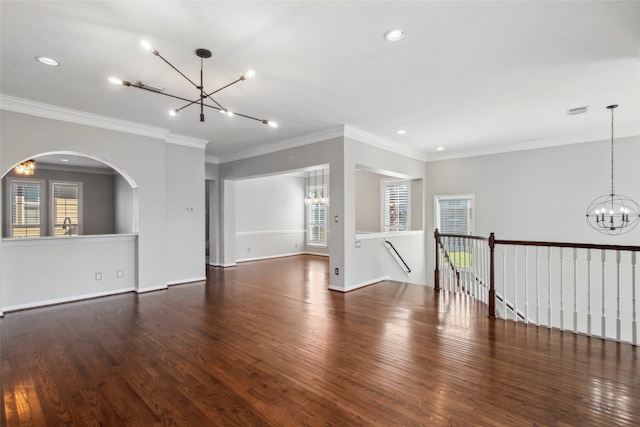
pixel 575 292
pixel 561 291
pixel 634 337
pixel 549 287
pixel 537 285
pixel 589 291
pixel 526 284
pixel 504 282
pixel 603 318
pixel 515 283
pixel 618 296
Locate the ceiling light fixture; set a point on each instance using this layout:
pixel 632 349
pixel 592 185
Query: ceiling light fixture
pixel 27 167
pixel 613 213
pixel 401 132
pixel 440 148
pixel 203 94
pixel 47 61
pixel 394 35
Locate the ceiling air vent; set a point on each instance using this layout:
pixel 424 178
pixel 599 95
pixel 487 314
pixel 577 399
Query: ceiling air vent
pixel 579 110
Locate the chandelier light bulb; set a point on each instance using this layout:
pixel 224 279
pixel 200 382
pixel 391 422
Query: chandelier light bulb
pixel 272 124
pixel 249 74
pixel 115 80
pixel 146 45
pixel 173 112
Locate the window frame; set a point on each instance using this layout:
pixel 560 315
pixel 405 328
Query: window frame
pixel 312 190
pixel 10 204
pixel 384 184
pixel 471 210
pixel 52 207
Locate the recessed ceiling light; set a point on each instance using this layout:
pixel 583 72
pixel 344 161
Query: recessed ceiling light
pixel 47 61
pixel 394 35
pixel 401 132
pixel 64 160
pixel 440 148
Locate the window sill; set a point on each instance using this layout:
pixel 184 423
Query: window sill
pixel 376 235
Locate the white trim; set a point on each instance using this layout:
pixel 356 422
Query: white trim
pixel 287 144
pixel 183 281
pixel 267 232
pixel 151 289
pixel 359 285
pixel 15 241
pixel 211 159
pixel 67 299
pixel 367 138
pixel 270 257
pixel 48 111
pixel 229 264
pixel 367 236
pixel 186 141
pixel 316 254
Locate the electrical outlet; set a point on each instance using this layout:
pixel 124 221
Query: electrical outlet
pixel 358 243
pixel 99 275
pixel 337 271
pixel 248 249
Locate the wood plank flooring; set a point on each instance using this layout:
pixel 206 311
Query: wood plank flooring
pixel 265 343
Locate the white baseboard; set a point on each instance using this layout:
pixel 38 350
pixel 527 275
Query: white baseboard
pixel 270 257
pixel 151 289
pixel 359 285
pixel 180 282
pixel 66 299
pixel 315 253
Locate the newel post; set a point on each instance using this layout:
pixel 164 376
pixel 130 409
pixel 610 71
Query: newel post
pixel 436 271
pixel 492 278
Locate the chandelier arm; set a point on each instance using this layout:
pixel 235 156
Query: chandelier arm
pixel 215 102
pixel 179 72
pixel 162 93
pixel 224 87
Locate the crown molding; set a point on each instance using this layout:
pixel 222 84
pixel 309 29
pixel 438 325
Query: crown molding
pixel 287 144
pixel 186 141
pixel 48 111
pixel 211 160
pixel 367 138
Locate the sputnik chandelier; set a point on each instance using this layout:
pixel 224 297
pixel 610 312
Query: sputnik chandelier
pixel 203 94
pixel 613 213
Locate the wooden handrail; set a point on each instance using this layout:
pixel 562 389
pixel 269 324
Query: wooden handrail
pixel 492 242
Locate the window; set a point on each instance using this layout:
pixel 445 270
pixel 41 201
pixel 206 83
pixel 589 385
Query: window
pixel 454 214
pixel 26 201
pixel 395 205
pixel 316 218
pixel 66 213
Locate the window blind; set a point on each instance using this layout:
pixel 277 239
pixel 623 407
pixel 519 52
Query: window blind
pixel 25 209
pixel 455 215
pixel 66 209
pixel 317 219
pixel 396 206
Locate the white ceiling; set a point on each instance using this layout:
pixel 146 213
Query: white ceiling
pixel 472 77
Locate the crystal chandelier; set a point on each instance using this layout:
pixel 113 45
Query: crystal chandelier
pixel 613 213
pixel 27 167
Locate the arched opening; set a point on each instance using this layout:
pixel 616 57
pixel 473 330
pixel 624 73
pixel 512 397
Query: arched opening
pixel 69 231
pixel 68 194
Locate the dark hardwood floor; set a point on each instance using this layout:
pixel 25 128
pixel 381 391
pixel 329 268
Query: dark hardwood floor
pixel 265 343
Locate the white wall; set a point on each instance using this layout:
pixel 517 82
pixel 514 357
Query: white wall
pixel 60 269
pixel 185 214
pixel 269 217
pixel 25 136
pixel 539 194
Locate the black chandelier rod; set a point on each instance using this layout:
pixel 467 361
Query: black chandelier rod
pixel 156 53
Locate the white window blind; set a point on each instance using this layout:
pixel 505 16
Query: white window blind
pixel 316 219
pixel 455 215
pixel 66 208
pixel 26 199
pixel 396 205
